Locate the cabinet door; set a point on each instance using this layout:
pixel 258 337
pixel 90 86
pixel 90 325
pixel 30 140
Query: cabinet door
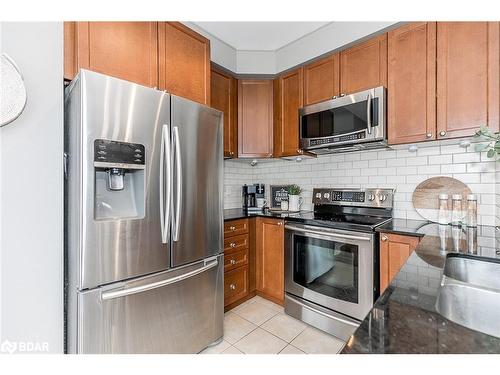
pixel 364 66
pixel 270 259
pixel 467 77
pixel 184 62
pixel 411 88
pixel 255 118
pixel 286 122
pixel 321 80
pixel 126 50
pixel 394 250
pixel 223 96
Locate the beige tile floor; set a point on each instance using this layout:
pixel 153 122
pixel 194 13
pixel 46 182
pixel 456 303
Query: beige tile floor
pixel 259 326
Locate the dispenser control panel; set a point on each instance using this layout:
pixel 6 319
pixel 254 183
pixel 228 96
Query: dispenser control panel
pixel 118 152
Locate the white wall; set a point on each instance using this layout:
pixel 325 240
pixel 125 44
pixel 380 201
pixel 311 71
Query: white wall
pixel 396 168
pixel 31 200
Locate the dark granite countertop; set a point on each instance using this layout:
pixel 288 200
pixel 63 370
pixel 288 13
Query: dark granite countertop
pixel 404 319
pixel 403 226
pixel 238 213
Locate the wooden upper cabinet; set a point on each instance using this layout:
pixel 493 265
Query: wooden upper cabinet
pixel 394 251
pixel 270 265
pixel 255 118
pixel 467 77
pixel 224 97
pixel 321 80
pixel 411 87
pixel 288 99
pixel 126 50
pixel 364 66
pixel 184 62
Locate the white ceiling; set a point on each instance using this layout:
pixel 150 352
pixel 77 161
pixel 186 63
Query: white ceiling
pixel 259 36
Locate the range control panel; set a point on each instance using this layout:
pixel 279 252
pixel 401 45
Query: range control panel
pixel 118 152
pixel 354 197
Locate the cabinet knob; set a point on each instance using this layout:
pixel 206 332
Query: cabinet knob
pixel 429 135
pixel 231 153
pixel 270 155
pixel 342 95
pixel 232 244
pixel 232 228
pixel 232 261
pixel 280 223
pixel 384 238
pixel 442 133
pixel 300 151
pixel 232 287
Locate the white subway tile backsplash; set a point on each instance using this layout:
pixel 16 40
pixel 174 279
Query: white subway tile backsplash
pixel 395 168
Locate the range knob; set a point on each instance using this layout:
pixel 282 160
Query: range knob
pixel 371 197
pixel 382 197
pixel 318 195
pixel 326 195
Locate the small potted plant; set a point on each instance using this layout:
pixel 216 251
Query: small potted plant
pixel 294 198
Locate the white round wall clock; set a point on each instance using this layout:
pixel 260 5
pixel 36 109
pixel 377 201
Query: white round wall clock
pixel 12 91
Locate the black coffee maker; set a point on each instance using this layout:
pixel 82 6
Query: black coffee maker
pixel 250 193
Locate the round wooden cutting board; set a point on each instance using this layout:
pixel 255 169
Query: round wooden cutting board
pixel 426 195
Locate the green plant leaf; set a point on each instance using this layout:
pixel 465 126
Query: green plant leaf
pixel 482 146
pixel 491 153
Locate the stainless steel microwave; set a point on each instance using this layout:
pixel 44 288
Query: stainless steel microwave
pixel 347 123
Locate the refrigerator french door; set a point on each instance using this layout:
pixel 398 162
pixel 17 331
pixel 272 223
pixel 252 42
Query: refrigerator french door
pixel 143 219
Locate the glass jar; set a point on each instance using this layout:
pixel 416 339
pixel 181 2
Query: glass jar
pixel 444 210
pixel 456 209
pixel 471 210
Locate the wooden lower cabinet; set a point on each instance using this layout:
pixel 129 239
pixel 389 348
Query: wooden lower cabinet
pixel 235 285
pixel 394 251
pixel 270 271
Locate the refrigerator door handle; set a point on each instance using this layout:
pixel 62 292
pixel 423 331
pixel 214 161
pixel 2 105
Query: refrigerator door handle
pixel 123 292
pixel 165 200
pixel 178 183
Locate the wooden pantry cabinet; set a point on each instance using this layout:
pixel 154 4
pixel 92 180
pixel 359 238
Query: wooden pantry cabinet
pixel 467 77
pixel 270 259
pixel 321 80
pixel 167 55
pixel 411 83
pixel 288 98
pixel 224 97
pixel 364 66
pixel 255 118
pixel 394 251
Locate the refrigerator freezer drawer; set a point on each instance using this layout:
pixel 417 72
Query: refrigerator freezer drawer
pixel 176 311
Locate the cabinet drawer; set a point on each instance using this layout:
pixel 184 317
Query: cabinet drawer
pixel 235 260
pixel 235 227
pixel 235 243
pixel 235 285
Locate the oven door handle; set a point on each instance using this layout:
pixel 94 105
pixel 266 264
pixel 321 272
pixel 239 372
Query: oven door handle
pixel 324 233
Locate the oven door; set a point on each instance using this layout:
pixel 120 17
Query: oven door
pixel 355 118
pixel 331 268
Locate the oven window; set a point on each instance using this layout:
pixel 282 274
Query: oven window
pixel 327 267
pixel 336 121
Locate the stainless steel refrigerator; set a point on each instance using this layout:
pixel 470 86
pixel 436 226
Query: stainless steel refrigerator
pixel 144 219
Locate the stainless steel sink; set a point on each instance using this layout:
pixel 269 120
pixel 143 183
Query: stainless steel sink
pixel 470 294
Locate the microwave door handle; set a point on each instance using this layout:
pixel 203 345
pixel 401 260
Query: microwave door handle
pixel 178 183
pixel 165 200
pixel 369 113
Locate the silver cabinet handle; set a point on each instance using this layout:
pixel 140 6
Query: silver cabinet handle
pixel 429 135
pixel 116 293
pixel 442 133
pixel 385 238
pixel 232 287
pixel 232 261
pixel 325 233
pixel 178 184
pixel 369 113
pixel 165 200
pixel 232 244
pixel 232 228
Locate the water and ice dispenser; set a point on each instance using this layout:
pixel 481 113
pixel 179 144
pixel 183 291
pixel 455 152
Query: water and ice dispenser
pixel 119 180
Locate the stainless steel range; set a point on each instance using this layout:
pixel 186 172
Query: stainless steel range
pixel 331 267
